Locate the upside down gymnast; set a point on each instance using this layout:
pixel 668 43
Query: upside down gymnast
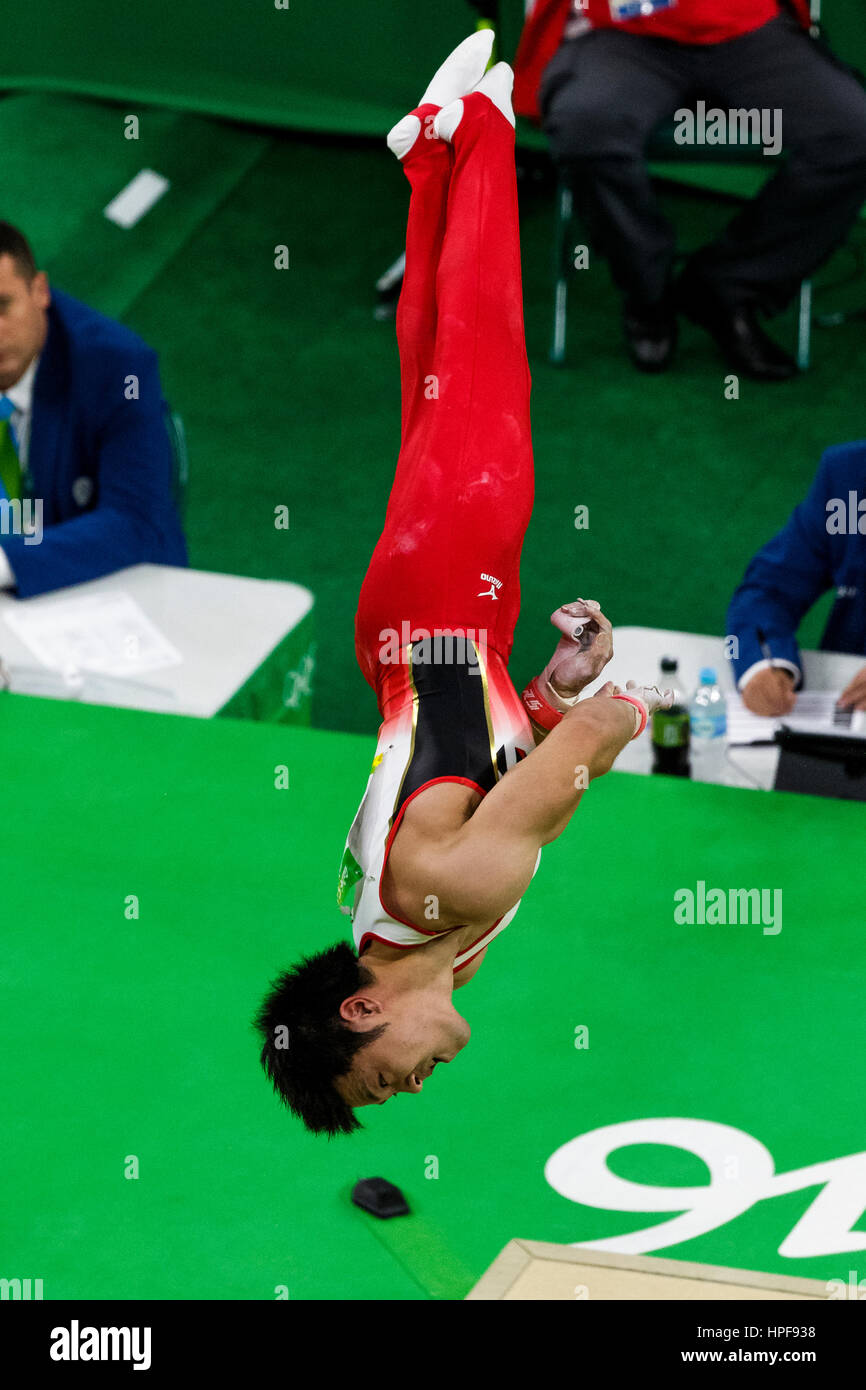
pixel 470 779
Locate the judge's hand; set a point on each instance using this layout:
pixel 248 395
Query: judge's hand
pixel 854 694
pixel 770 692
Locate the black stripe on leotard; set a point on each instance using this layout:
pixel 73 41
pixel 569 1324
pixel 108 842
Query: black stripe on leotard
pixel 452 736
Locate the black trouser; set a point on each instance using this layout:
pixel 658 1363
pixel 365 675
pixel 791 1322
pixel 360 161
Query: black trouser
pixel 604 93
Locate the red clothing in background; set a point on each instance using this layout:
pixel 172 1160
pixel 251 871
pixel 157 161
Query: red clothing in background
pixel 689 21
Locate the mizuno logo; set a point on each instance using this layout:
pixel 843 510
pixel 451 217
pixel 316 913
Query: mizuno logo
pixel 494 585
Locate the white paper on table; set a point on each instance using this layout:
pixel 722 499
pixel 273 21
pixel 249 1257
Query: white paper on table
pixel 812 713
pixel 108 633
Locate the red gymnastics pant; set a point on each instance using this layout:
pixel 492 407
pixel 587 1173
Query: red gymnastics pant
pixel 463 487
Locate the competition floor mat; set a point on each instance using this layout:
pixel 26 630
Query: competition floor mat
pixel 637 1083
pixel 533 1270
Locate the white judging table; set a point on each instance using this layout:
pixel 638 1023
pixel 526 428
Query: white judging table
pixel 237 637
pixel 637 653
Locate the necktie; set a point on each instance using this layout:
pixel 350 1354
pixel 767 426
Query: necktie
pixel 10 467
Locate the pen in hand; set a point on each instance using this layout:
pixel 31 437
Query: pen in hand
pixel 770 691
pixel 765 647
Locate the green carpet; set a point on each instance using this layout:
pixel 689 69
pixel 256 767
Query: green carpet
pixel 86 156
pixel 126 1035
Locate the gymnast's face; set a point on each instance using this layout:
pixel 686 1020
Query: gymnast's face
pixel 424 1030
pixel 23 320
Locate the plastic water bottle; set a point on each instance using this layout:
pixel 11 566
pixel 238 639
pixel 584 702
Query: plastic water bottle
pixel 709 727
pixel 670 727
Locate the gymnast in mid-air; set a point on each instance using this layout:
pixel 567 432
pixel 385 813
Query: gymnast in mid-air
pixel 470 779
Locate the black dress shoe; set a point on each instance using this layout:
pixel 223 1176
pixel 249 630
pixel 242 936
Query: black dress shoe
pixel 744 344
pixel 651 335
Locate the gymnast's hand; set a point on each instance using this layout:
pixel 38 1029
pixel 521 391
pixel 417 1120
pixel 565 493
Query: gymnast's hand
pixel 649 695
pixel 577 660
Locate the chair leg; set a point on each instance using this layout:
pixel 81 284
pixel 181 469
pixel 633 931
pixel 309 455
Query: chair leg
pixel 563 214
pixel 388 287
pixel 804 325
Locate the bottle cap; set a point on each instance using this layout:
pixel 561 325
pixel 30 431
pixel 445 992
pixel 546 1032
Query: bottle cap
pixel 669 663
pixel 708 675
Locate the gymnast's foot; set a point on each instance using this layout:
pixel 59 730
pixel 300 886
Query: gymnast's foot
pixel 457 76
pixel 495 84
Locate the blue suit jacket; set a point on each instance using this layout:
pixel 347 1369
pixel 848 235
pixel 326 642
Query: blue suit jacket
pixel 100 463
pixel 803 561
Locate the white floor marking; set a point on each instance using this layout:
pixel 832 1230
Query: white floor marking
pixel 137 198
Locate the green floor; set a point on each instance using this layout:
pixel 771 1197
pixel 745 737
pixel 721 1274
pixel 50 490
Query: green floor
pixel 290 389
pixel 129 1037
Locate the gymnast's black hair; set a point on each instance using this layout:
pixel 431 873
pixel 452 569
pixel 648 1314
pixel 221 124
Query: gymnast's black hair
pixel 13 243
pixel 301 1013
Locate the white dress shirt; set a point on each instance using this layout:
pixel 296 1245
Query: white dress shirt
pixel 779 662
pixel 21 396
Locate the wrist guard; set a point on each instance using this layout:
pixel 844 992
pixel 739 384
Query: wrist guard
pixel 641 709
pixel 539 707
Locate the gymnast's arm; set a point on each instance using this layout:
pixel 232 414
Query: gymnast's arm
pixel 489 864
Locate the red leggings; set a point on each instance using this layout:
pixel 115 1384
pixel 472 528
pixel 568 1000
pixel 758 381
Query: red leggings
pixel 463 487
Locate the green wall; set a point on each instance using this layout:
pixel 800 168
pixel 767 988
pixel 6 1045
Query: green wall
pixel 320 66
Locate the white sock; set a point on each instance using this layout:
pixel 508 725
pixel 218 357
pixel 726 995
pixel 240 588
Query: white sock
pixel 458 75
pixel 496 85
pixel 448 119
pixel 461 70
pixel 403 135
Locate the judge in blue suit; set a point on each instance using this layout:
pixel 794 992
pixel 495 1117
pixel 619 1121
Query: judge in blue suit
pixel 85 456
pixel 822 546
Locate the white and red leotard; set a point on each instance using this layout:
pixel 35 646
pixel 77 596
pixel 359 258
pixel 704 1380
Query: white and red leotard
pixel 448 559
